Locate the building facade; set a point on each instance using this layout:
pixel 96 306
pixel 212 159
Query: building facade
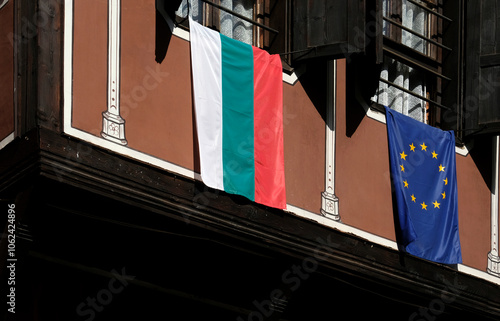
pixel 99 164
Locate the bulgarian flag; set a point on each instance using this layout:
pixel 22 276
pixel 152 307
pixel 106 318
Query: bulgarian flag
pixel 238 99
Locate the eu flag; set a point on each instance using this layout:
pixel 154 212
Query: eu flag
pixel 422 161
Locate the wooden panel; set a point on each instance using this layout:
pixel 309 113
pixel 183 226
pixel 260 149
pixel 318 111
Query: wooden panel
pixel 472 51
pixel 49 91
pixel 7 68
pixel 25 46
pixel 490 60
pixel 299 25
pixel 452 62
pixel 489 26
pixel 322 28
pixel 328 28
pixel 333 28
pixel 488 82
pixel 489 96
pixel 277 15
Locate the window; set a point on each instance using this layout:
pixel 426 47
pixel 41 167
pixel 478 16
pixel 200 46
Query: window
pixel 411 77
pixel 243 20
pixel 227 23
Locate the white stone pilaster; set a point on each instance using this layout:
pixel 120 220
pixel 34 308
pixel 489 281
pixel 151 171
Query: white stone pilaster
pixel 113 125
pixel 493 258
pixel 329 201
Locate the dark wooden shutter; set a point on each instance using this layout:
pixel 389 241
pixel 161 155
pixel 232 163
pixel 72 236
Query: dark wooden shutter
pixel 276 16
pixel 328 28
pixel 482 99
pixel 453 61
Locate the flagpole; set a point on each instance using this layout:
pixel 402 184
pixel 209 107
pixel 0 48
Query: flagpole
pixel 113 125
pixel 329 201
pixel 493 258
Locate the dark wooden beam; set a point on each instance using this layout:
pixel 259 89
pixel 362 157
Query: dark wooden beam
pixel 489 60
pixel 50 64
pixel 69 162
pixel 25 65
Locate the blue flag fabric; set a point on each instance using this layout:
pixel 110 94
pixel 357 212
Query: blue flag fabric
pixel 422 161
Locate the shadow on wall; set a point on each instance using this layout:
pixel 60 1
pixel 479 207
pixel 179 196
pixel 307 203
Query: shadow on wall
pixel 165 17
pixel 314 83
pixel 481 154
pixel 362 83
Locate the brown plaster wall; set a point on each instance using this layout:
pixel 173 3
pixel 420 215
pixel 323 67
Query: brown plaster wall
pixel 304 138
pixel 90 64
pixel 156 103
pixel 362 170
pixel 7 68
pixel 155 98
pixel 474 205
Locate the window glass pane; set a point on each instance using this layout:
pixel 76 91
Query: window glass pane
pixel 386 12
pixel 410 16
pixel 195 10
pixel 408 78
pixel 414 18
pixel 234 27
pixel 229 25
pixel 417 19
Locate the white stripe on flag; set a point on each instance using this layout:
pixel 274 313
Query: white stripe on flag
pixel 207 85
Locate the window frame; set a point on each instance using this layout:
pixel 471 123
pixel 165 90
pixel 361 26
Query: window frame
pixel 211 19
pixel 271 31
pixel 431 63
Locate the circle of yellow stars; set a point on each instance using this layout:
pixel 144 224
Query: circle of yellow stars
pixel 441 168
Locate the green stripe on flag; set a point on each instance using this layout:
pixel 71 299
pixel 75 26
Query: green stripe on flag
pixel 237 118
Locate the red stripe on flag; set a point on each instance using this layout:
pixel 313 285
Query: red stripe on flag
pixel 268 130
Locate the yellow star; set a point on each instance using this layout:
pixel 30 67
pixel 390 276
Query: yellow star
pixel 424 206
pixel 402 168
pixel 412 147
pixel 436 204
pixel 434 155
pixel 444 195
pixel 441 169
pixel 413 198
pixel 424 147
pixel 406 184
pixel 403 155
pixel 445 181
